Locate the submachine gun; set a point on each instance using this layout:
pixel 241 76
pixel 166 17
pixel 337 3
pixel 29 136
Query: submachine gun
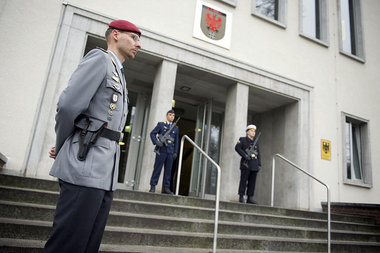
pixel 165 138
pixel 251 152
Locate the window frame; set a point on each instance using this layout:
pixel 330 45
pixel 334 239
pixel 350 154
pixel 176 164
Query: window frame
pixel 366 166
pixel 323 24
pixel 282 14
pixel 358 30
pixel 229 2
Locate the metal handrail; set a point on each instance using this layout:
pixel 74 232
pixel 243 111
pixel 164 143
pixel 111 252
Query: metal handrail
pixel 217 186
pixel 328 195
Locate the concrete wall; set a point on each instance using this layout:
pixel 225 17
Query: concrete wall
pixel 162 97
pixel 235 117
pixel 28 30
pixel 281 135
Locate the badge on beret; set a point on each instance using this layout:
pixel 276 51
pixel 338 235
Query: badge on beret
pixel 112 106
pixel 114 98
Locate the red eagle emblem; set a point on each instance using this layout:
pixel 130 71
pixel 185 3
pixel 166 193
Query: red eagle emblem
pixel 213 22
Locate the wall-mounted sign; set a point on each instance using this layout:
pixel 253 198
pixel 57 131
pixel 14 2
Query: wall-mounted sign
pixel 326 149
pixel 212 24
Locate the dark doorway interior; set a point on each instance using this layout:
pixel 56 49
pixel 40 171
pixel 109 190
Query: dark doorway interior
pixel 186 126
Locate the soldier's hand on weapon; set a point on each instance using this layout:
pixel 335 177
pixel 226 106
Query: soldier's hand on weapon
pixel 174 156
pixel 247 157
pixel 159 143
pixel 52 153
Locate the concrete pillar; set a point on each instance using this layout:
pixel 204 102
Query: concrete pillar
pixel 235 122
pixel 161 102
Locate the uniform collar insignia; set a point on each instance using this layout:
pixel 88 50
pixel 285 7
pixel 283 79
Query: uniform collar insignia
pixel 116 79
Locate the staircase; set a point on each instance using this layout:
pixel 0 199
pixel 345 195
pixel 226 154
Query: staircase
pixel 151 222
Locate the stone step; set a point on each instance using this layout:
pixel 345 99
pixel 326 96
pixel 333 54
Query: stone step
pixel 13 210
pixel 234 206
pixel 152 222
pixel 142 207
pixel 52 186
pixel 39 231
pixel 29 182
pixel 50 197
pixel 36 246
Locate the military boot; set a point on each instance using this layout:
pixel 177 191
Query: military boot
pixel 167 191
pixel 250 200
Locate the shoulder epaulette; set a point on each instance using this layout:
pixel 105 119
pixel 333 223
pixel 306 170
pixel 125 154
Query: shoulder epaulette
pixel 110 55
pixel 105 51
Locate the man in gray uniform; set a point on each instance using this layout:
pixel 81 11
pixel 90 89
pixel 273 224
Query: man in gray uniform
pixel 91 114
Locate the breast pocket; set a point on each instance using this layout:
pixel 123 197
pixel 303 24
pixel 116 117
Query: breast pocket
pixel 114 95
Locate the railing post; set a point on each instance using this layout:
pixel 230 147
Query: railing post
pixel 328 220
pixel 328 194
pixel 179 165
pixel 217 186
pixel 273 172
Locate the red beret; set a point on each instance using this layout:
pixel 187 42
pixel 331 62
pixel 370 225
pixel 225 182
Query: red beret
pixel 124 26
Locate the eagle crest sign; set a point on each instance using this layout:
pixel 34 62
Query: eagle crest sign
pixel 212 24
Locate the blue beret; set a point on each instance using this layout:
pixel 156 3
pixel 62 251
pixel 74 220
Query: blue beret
pixel 124 25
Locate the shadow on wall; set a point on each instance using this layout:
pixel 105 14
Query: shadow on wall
pixel 3 160
pixel 279 129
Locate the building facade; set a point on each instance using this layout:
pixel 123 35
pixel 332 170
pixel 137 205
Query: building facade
pixel 305 72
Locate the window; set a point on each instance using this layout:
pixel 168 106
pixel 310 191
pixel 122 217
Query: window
pixel 314 19
pixel 270 10
pixel 351 28
pixel 356 149
pixel 353 151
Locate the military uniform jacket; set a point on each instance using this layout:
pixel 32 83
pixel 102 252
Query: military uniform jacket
pixel 161 128
pixel 94 85
pixel 255 163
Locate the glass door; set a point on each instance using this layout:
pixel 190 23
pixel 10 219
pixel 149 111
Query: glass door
pixel 207 136
pixel 214 138
pixel 200 127
pixel 131 150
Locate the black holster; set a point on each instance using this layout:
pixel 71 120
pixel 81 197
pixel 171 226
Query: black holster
pixel 90 130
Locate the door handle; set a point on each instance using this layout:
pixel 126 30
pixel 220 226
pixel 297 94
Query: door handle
pixel 136 138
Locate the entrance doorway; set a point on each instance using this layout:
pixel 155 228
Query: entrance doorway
pixel 203 124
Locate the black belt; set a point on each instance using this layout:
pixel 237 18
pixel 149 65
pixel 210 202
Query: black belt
pixel 112 135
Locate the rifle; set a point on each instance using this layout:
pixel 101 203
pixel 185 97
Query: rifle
pixel 165 138
pixel 251 152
